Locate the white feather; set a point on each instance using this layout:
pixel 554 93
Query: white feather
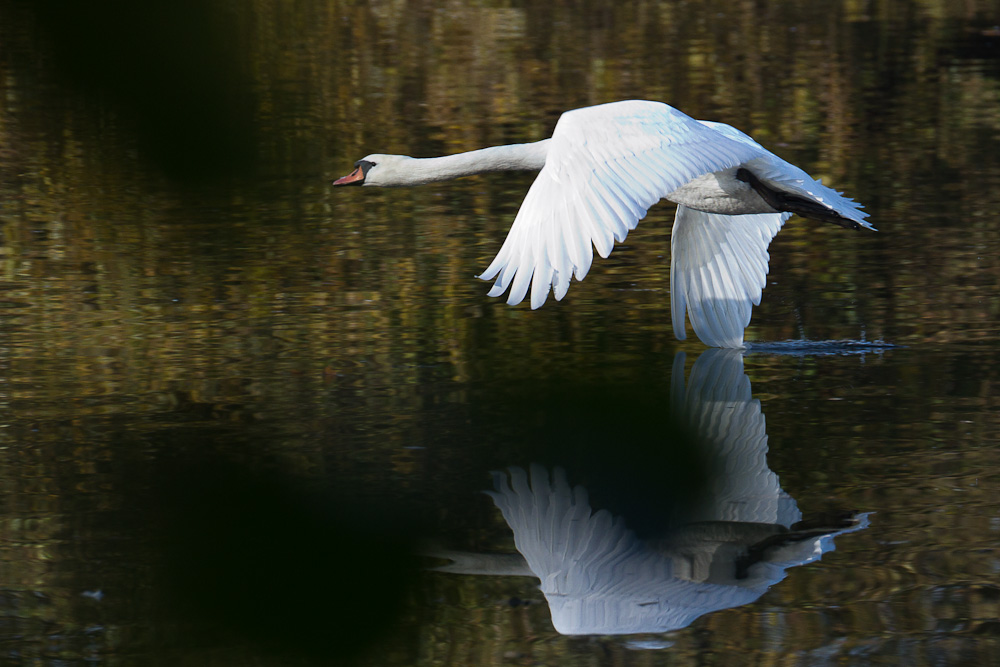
pixel 603 155
pixel 718 268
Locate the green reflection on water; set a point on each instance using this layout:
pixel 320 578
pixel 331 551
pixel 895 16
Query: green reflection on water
pixel 343 333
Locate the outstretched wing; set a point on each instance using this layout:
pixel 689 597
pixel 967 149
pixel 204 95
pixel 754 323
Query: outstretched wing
pixel 718 267
pixel 606 166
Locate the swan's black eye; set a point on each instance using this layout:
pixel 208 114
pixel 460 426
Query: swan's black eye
pixel 365 166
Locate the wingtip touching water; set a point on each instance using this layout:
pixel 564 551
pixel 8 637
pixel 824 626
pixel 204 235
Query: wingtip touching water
pixel 602 170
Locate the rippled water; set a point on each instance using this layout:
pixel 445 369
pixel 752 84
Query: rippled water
pixel 248 419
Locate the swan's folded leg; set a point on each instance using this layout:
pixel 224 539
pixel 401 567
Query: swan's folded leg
pixel 718 267
pixel 807 208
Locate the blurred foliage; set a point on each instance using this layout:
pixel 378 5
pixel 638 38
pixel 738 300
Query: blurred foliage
pixel 171 257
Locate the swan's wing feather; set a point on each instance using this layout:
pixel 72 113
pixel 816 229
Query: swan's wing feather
pixel 731 132
pixel 606 166
pixel 718 268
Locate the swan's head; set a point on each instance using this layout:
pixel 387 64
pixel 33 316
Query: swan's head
pixel 379 170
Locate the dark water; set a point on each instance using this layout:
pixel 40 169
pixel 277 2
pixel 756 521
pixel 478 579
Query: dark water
pixel 242 415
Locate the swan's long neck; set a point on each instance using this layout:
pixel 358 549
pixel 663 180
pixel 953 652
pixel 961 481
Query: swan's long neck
pixel 513 157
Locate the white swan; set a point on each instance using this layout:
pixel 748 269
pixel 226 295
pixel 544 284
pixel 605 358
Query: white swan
pixel 602 169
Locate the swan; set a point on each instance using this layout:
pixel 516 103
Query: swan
pixel 602 169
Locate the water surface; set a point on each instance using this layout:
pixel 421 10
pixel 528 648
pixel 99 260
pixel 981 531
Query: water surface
pixel 240 408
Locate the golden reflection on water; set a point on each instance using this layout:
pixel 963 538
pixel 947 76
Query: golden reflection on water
pixel 132 302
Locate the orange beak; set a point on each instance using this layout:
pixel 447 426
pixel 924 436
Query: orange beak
pixel 356 177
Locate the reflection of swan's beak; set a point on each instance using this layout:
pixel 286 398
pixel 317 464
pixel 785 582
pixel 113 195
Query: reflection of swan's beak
pixel 356 177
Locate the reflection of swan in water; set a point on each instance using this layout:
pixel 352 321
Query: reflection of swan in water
pixel 599 578
pixel 602 169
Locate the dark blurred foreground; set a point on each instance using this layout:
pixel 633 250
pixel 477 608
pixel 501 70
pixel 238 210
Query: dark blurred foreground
pixel 175 73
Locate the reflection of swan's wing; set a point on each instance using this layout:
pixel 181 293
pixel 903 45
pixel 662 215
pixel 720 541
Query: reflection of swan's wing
pixel 605 167
pixel 597 577
pixel 555 531
pixel 718 405
pixel 718 267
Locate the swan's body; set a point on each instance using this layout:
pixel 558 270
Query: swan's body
pixel 603 168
